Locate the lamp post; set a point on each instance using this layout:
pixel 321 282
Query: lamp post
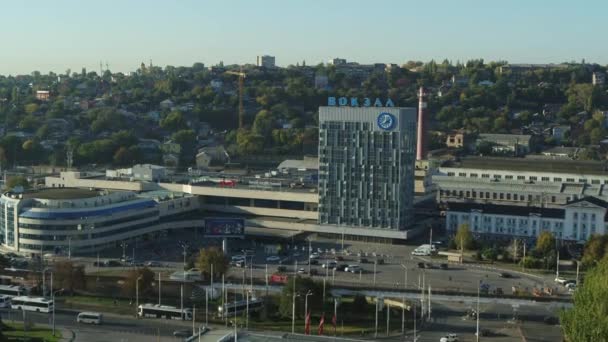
pixel 69 248
pixel 184 246
pixel 375 264
pixel 137 294
pixel 477 333
pixel 404 276
pixel 124 251
pixel 44 280
pixel 309 293
pixel 53 299
pixel 159 288
pixel 293 310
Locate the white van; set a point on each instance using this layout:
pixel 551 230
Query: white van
pixel 424 250
pixel 89 318
pixel 5 301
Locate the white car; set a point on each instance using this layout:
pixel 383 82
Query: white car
pixel 238 257
pixel 273 258
pixel 560 280
pixel 314 256
pixel 449 338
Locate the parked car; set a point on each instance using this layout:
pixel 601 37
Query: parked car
pixel 340 258
pixel 153 264
pixel 302 271
pixel 330 264
pixel 273 258
pixel 443 266
pixel 505 275
pixel 353 268
pixel 420 265
pixel 449 338
pixel 313 261
pixel 341 267
pixel 363 260
pixel 429 265
pixel 113 263
pixel 380 261
pixel 182 333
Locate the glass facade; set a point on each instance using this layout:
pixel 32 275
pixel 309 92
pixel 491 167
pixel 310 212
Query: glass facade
pixel 366 174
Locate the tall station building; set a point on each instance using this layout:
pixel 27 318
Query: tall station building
pixel 366 167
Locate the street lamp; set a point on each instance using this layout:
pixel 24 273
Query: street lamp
pixel 43 281
pixel 309 293
pixel 477 333
pixel 137 294
pixel 293 310
pixel 69 247
pixel 184 246
pixel 53 300
pixel 404 276
pixel 124 252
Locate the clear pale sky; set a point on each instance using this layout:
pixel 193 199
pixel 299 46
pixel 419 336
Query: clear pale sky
pixel 54 35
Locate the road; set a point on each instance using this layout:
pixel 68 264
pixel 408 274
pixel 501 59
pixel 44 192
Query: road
pixel 114 327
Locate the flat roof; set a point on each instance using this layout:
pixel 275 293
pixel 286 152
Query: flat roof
pixel 521 164
pixel 61 193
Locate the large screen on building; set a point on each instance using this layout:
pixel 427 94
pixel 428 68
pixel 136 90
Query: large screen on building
pixel 225 227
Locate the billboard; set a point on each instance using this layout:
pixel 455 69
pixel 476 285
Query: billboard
pixel 224 227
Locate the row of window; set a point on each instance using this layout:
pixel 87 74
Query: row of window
pixel 528 178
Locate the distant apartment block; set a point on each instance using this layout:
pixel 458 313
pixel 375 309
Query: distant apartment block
pixel 265 61
pixel 336 61
pixel 519 144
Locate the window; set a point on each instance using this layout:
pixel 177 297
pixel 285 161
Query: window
pixel 571 180
pixel 462 174
pixel 595 181
pixel 485 175
pixel 582 180
pixel 451 174
pixel 509 177
pixel 557 179
pixel 545 179
pixel 575 216
pixel 533 178
pixel 502 195
pixel 552 199
pixel 473 175
pixel 521 177
pixel 497 176
pixel 509 196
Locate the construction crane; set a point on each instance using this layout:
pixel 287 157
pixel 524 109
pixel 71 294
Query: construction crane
pixel 241 76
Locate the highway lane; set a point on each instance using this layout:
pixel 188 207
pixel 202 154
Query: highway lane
pixel 117 326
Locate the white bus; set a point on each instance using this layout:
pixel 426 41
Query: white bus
pixel 229 309
pixel 5 301
pixel 38 304
pixel 12 290
pixel 164 311
pixel 89 318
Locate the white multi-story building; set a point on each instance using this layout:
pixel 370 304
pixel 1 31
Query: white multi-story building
pixel 576 221
pixel 366 166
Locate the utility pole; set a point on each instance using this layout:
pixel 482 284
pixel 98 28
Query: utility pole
pixel 403 317
pixel 375 263
pixel 577 266
pixel 477 334
pixel 137 295
pixel 429 301
pixel 159 288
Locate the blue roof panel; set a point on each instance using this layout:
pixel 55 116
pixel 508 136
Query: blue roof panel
pixel 67 215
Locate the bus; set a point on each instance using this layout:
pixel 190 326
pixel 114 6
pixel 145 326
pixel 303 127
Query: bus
pixel 12 290
pixel 5 301
pixel 164 311
pixel 37 304
pixel 235 308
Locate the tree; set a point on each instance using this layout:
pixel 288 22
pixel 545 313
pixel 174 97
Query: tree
pixel 212 256
pixel 14 181
pixel 587 320
pixel 186 138
pixel 545 243
pixel 130 285
pixel 174 121
pixel 69 277
pixel 464 237
pixel 595 249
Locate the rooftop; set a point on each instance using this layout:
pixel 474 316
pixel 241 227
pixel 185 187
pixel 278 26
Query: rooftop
pixel 61 193
pixel 520 164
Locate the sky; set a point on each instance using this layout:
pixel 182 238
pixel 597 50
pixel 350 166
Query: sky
pixel 58 35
